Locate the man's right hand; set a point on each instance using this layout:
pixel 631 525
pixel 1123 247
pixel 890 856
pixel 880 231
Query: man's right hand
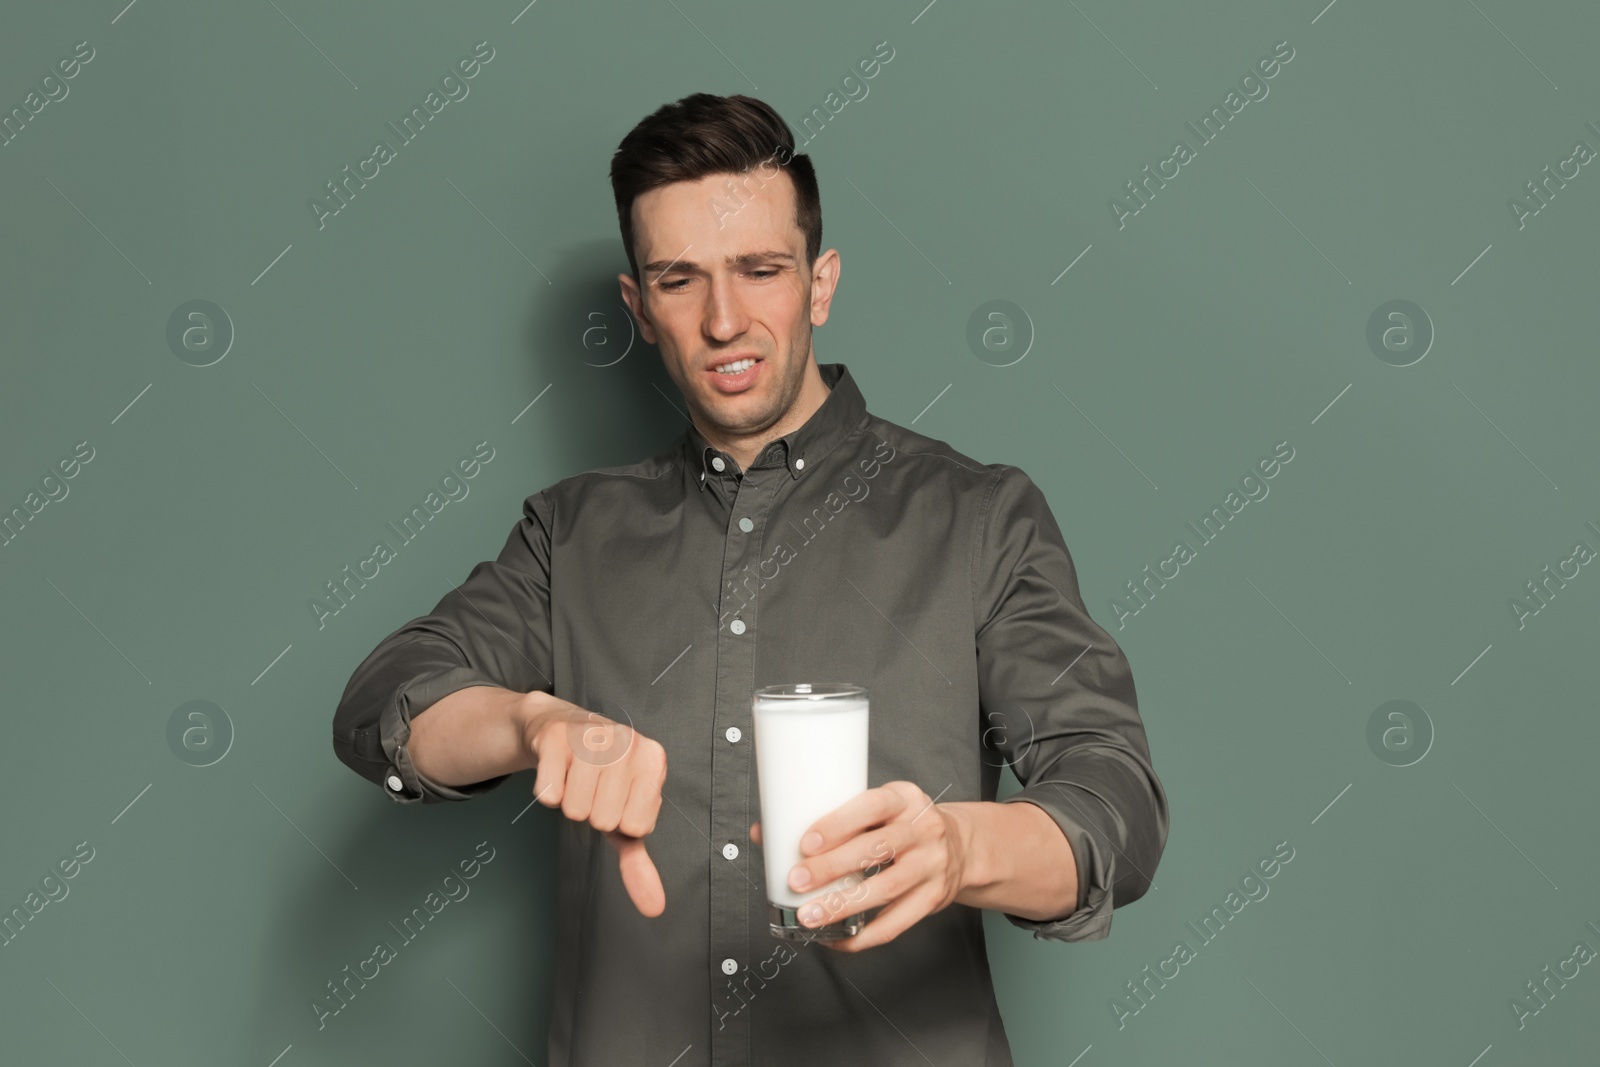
pixel 605 773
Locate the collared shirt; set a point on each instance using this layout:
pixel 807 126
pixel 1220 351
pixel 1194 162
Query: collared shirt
pixel 662 594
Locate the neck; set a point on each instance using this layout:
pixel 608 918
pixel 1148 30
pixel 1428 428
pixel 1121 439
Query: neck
pixel 744 448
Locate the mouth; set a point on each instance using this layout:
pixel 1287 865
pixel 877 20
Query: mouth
pixel 735 375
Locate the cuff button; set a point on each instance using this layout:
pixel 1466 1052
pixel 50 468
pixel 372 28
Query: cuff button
pixel 395 783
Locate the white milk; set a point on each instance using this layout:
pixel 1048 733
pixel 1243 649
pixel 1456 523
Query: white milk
pixel 811 757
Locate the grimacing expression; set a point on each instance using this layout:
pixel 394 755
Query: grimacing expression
pixel 723 272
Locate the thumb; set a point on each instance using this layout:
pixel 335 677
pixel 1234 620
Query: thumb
pixel 639 874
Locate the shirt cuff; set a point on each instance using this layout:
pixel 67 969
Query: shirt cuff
pixel 402 782
pixel 1091 919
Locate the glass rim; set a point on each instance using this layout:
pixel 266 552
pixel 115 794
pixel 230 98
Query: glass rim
pixel 800 691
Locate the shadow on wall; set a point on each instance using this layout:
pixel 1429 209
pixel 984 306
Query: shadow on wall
pixel 448 893
pixel 478 890
pixel 610 400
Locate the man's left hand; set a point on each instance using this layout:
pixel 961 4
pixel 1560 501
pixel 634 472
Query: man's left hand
pixel 914 851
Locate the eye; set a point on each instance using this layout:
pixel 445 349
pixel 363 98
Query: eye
pixel 764 273
pixel 674 285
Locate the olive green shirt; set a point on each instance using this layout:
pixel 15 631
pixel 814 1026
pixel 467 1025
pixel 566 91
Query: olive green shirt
pixel 662 594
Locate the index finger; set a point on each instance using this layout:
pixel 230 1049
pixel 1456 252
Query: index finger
pixel 867 809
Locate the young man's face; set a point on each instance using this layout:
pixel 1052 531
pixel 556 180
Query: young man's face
pixel 723 274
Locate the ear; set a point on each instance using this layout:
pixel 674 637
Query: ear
pixel 635 301
pixel 824 280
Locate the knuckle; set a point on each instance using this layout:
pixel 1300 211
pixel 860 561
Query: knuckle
pixel 651 765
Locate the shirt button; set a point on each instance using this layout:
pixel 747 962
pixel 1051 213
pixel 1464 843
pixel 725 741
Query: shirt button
pixel 737 626
pixel 729 965
pixel 395 783
pixel 746 525
pixel 730 851
pixel 799 464
pixel 716 463
pixel 732 734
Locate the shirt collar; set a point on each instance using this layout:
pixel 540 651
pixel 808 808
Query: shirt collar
pixel 841 412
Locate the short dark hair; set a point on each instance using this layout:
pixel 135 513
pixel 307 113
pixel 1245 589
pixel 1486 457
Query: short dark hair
pixel 704 134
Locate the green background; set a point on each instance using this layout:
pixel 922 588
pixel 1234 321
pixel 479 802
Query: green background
pixel 476 273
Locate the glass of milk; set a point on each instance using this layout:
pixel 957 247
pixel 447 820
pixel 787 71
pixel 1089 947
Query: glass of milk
pixel 811 757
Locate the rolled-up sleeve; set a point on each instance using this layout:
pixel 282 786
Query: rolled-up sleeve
pixel 493 629
pixel 1057 701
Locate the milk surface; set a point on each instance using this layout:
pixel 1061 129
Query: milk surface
pixel 811 757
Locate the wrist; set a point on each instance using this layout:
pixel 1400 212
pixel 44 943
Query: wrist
pixel 975 844
pixel 530 711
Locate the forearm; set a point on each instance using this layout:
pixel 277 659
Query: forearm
pixel 1016 859
pixel 475 734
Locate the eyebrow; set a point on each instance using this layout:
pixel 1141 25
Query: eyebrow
pixel 744 259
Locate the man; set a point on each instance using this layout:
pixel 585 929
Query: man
pixel 616 641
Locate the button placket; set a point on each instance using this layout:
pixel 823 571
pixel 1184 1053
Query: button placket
pixel 732 764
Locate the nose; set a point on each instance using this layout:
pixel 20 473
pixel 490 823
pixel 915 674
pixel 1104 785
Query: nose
pixel 725 315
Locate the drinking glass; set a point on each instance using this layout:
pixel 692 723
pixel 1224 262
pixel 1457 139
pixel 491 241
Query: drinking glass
pixel 811 757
